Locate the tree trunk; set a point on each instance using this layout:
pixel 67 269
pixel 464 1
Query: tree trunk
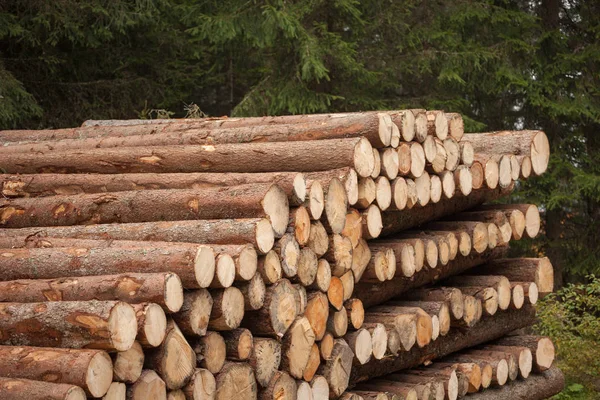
pixel 109 325
pixel 164 289
pixel 25 389
pixel 255 231
pixel 316 155
pixel 89 369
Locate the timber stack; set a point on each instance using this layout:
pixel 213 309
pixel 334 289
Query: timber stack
pixel 350 256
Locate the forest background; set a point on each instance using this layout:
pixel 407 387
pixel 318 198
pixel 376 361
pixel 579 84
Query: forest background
pixel 501 64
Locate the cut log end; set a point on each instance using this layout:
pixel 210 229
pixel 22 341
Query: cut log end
pixel 299 185
pixel 301 222
pixel 204 263
pixel 540 153
pixel 374 222
pixel 173 293
pixel 383 194
pixel 544 355
pixel 316 200
pixel 155 325
pixel 448 184
pixel 122 325
pixel 532 221
pixel 265 236
pixel 276 206
pixel 224 271
pixel 336 205
pixel 364 162
pixel 389 163
pixel 247 262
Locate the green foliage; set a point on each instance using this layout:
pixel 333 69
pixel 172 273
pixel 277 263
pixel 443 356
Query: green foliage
pixel 571 317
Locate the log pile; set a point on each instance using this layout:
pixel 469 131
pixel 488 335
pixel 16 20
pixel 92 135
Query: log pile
pixel 324 256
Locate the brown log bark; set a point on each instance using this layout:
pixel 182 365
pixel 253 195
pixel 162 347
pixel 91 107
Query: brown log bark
pixel 373 294
pixel 227 309
pixel 397 221
pixel 257 232
pixel 296 347
pixel 247 157
pixel 337 369
pixel 202 386
pixel 278 312
pixel 281 387
pixel 89 369
pixel 164 289
pixel 25 389
pixel 472 371
pixel 537 270
pixel 488 329
pixel 149 386
pixel 210 351
pixel 236 381
pixel 109 325
pixel 269 267
pixel 521 143
pixel 542 349
pixel 174 360
pixel 265 359
pixel 152 324
pixel 292 183
pixel 128 364
pixel 254 201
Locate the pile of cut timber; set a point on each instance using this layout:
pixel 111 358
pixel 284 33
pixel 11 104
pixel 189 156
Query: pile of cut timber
pixel 317 257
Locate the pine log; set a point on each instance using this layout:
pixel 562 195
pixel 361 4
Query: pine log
pixel 394 343
pixel 318 240
pixel 473 311
pixel 373 294
pixel 202 386
pixel 337 323
pixel 521 354
pixel 381 266
pixel 326 346
pixel 406 392
pixel 281 387
pixel 517 295
pixel 353 226
pixel 246 157
pixel 447 376
pixel 439 309
pixel 210 351
pixel 425 387
pixel 491 170
pixel 347 176
pixel 367 192
pixel 361 256
pixel 488 329
pixel 335 293
pixel 397 221
pixel 389 163
pixel 377 168
pixel 320 388
pixel 348 284
pixel 296 347
pixel 337 369
pixel 317 313
pixel 487 295
pixel 531 291
pixel 176 395
pixel 339 254
pixel 89 369
pixel 315 204
pixel 269 267
pixel 227 309
pixel 477 230
pixel 417 160
pixel 37 185
pixel 430 148
pixel 323 276
pixel 438 163
pixel 254 293
pixel 411 193
pixel 379 339
pixel 537 270
pixel 25 389
pixel 530 211
pixel 453 154
pixel 128 364
pixel 437 124
pixel 164 289
pixel 257 232
pixel 452 296
pixel 336 205
pixel 314 361
pixel 149 386
pixel 511 360
pixel 463 180
pixel 423 186
pixel 422 319
pixel 404 158
pixel 405 324
pixel 278 312
pixel 536 387
pixel 194 316
pixel 521 143
pixel 472 371
pixel 477 175
pixel 372 222
pixel 109 325
pixel 541 347
pixel 361 344
pixel 289 252
pixel 265 359
pixel 383 195
pixel 500 283
pixel 499 364
pixel 356 312
pixel 420 124
pixel 152 324
pixel 304 391
pixel 116 391
pixel 255 200
pixel 490 216
pixel 374 395
pixel 236 381
pixel 299 224
pixel 436 189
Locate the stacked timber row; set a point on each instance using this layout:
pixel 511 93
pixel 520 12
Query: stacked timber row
pixel 299 257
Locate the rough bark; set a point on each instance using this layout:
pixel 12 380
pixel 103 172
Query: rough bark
pixel 25 389
pixel 313 155
pixel 537 270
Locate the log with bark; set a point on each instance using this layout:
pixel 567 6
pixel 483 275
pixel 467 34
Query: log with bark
pixel 109 325
pixel 541 347
pixel 521 354
pixel 536 270
pixel 245 201
pixel 530 212
pixel 313 155
pixel 521 143
pixel 25 389
pixel 255 231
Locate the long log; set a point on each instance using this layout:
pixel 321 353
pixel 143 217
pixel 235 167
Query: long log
pixel 542 349
pixel 109 325
pixel 536 270
pixel 521 143
pixel 397 221
pixel 530 212
pixel 25 389
pixel 191 266
pixel 89 369
pixel 255 231
pixel 316 155
pixel 164 289
pixel 488 329
pixel 373 294
pixel 245 201
pixel 293 183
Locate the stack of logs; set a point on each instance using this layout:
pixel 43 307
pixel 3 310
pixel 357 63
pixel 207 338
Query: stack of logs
pixel 310 257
